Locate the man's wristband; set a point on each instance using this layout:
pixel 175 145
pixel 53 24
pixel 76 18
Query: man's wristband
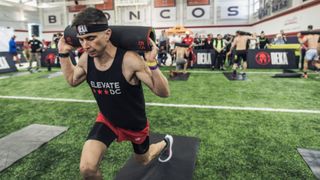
pixel 153 65
pixel 63 55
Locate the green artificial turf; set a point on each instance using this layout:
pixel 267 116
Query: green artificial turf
pixel 233 144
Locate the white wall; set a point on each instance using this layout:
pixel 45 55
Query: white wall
pixel 5 34
pixel 18 17
pixel 293 22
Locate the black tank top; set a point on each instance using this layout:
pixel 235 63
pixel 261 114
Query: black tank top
pixel 120 102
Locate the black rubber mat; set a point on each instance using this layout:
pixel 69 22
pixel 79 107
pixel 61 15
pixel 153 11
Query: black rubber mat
pixel 180 166
pixel 22 142
pixel 238 77
pixel 312 158
pixel 179 76
pixel 287 75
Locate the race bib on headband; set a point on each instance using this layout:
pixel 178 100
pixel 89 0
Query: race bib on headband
pixel 85 29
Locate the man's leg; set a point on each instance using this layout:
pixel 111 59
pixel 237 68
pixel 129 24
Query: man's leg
pixel 185 66
pixel 31 60
pixel 145 153
pixel 305 68
pixel 303 54
pixel 99 139
pixel 213 57
pixel 17 59
pixel 309 56
pixel 235 66
pixel 91 156
pixel 38 59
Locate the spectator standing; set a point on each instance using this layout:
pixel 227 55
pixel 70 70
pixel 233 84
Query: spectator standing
pixel 13 50
pixel 263 41
pixel 26 49
pixel 219 55
pixel 208 46
pixel 36 47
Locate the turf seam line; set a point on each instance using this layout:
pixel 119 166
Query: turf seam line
pixel 173 105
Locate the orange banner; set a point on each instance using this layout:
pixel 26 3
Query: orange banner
pixel 197 2
pixel 108 5
pixel 164 3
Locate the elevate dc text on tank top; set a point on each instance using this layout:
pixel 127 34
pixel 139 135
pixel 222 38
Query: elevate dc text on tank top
pixel 107 88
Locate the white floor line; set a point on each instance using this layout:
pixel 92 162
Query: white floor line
pixel 173 105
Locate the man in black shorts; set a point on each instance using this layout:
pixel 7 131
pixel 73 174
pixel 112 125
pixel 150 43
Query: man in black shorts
pixel 114 76
pixel 240 42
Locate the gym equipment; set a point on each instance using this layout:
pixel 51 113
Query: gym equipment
pixel 70 36
pixel 309 32
pixel 180 166
pixel 243 33
pixel 312 159
pixel 287 73
pixel 134 38
pixel 22 142
pixel 181 45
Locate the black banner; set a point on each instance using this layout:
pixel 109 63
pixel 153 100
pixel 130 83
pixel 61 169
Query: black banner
pixel 6 63
pixel 272 59
pixel 203 58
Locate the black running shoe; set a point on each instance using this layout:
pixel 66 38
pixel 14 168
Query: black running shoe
pixel 166 153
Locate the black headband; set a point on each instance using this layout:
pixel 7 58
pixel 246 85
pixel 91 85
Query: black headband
pixel 90 28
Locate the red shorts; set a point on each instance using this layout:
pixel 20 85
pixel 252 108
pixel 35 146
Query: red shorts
pixel 136 137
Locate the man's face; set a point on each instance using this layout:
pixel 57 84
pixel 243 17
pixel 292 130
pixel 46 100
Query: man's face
pixel 95 43
pixel 262 35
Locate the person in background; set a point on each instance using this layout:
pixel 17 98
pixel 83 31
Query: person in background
pixel 278 39
pixel 312 51
pixel 228 39
pixel 26 49
pixel 44 45
pixel 219 55
pixel 36 47
pixel 208 46
pixel 13 50
pixel 304 48
pixel 182 54
pixel 197 41
pixel 240 44
pixel 253 43
pixel 173 40
pixel 163 40
pixel 284 37
pixel 162 56
pixel 263 42
pixel 188 40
